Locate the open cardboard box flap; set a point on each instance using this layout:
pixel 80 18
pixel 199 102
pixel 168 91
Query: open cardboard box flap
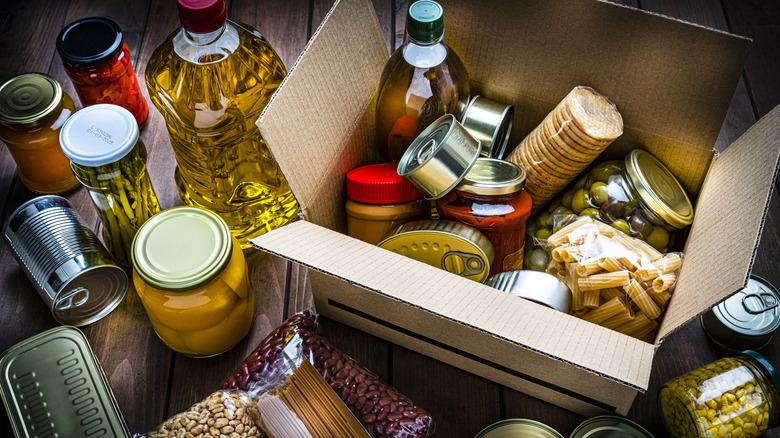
pixel 672 81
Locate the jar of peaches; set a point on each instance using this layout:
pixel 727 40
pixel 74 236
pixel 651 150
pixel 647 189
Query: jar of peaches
pixel 192 279
pixel 732 397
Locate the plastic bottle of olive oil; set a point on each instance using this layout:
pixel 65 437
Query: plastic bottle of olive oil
pixel 423 80
pixel 211 79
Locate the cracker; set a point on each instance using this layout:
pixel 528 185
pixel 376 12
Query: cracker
pixel 594 114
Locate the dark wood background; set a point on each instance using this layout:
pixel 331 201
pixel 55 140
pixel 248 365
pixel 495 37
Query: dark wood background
pixel 151 382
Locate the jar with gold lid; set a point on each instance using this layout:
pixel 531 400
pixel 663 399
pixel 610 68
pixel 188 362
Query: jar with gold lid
pixel 33 109
pixel 491 199
pixel 192 278
pixel 732 397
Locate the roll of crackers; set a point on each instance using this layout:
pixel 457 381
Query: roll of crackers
pixel 566 142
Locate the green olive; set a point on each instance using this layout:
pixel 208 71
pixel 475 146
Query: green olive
pixel 599 193
pixel 541 218
pixel 580 201
pixel 543 233
pixel 622 225
pixel 566 198
pixel 658 238
pixel 603 171
pixel 538 260
pixel 590 211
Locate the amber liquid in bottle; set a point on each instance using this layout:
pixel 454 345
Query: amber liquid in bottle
pixel 211 88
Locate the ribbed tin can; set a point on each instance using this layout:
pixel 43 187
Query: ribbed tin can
pixel 490 122
pixel 539 287
pixel 52 385
pixel 518 428
pixel 69 267
pixel 609 426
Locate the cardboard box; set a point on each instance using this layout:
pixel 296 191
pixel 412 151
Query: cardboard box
pixel 672 81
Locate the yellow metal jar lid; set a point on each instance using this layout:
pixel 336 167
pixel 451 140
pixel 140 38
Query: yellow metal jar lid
pixel 491 176
pixel 659 189
pixel 27 99
pixel 181 249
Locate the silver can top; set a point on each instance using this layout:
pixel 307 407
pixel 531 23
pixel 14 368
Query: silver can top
pixel 609 426
pixel 753 311
pixel 539 287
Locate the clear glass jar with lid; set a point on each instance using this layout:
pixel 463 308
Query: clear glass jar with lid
pixel 33 109
pixel 109 158
pixel 732 397
pixel 192 278
pixel 491 199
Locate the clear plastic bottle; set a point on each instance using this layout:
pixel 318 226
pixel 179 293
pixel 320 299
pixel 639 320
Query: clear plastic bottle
pixel 211 80
pixel 423 80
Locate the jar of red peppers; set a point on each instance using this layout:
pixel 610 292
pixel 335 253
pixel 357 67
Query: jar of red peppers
pixel 97 59
pixel 491 199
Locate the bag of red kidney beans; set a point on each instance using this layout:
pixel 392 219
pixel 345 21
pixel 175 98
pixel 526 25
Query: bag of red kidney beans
pixel 379 407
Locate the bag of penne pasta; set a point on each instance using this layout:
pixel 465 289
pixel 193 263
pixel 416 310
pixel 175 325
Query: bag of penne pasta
pixel 617 281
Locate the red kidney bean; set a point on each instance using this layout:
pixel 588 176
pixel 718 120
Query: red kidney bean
pixel 381 409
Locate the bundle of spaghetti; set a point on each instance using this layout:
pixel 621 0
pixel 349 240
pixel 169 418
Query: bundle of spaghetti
pixel 617 281
pixel 306 407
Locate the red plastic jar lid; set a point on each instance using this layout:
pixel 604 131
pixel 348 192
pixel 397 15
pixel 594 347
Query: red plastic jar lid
pixel 201 16
pixel 380 184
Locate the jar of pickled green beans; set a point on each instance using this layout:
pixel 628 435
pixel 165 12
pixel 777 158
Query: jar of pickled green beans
pixel 734 397
pixel 109 158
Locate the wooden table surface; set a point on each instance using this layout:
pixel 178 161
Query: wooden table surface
pixel 151 382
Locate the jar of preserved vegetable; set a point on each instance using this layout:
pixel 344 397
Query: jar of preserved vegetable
pixel 97 60
pixel 491 199
pixel 732 397
pixel 33 108
pixel 378 200
pixel 109 158
pixel 191 276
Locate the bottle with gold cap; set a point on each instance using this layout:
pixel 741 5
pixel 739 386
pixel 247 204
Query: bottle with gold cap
pixel 33 109
pixel 423 80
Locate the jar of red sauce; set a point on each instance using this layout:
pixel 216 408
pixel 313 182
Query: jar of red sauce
pixel 491 199
pixel 97 60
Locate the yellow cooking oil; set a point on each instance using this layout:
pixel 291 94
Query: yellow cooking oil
pixel 211 88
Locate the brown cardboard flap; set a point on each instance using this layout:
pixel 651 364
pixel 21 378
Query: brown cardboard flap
pixel 729 220
pixel 671 81
pixel 462 302
pixel 322 106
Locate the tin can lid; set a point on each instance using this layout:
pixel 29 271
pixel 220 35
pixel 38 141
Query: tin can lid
pixel 609 426
pixel 99 134
pixel 659 189
pixel 89 41
pixel 28 98
pixel 181 248
pixel 518 428
pixel 491 176
pixel 490 122
pixel 425 21
pixel 38 387
pixel 753 311
pixel 379 184
pixel 539 287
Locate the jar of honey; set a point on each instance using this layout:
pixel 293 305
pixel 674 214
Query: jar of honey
pixel 732 397
pixel 192 278
pixel 491 199
pixel 33 108
pixel 97 60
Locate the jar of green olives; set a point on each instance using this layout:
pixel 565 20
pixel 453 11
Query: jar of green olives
pixel 732 397
pixel 638 196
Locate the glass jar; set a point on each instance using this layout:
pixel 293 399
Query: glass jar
pixel 379 200
pixel 192 278
pixel 109 158
pixel 491 199
pixel 33 108
pixel 97 60
pixel 732 397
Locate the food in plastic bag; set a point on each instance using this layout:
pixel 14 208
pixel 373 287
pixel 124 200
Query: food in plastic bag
pixel 566 142
pixel 617 281
pixel 379 407
pixel 223 413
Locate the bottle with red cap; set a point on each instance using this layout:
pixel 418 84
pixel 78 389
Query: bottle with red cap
pixel 379 200
pixel 211 79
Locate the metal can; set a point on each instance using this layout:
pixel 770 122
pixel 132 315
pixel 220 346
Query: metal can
pixel 747 319
pixel 439 158
pixel 539 287
pixel 490 122
pixel 52 385
pixel 609 426
pixel 69 267
pixel 448 245
pixel 518 428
